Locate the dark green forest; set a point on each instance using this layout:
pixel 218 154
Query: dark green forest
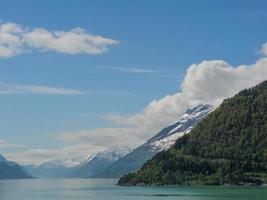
pixel 227 147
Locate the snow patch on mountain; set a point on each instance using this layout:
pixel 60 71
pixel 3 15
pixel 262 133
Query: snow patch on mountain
pixel 112 154
pixel 166 138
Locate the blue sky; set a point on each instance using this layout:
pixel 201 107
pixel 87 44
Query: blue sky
pixel 157 42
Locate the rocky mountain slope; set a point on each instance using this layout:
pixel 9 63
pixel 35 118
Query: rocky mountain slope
pixel 161 141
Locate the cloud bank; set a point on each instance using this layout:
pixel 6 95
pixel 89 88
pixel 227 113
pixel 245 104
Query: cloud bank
pixel 16 39
pixel 205 82
pixel 76 153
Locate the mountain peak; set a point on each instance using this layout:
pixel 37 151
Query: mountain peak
pixel 113 153
pixel 2 158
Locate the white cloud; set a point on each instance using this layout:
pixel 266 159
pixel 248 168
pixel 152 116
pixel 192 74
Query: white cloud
pixel 11 41
pixel 35 89
pixel 16 39
pixel 212 81
pixel 6 144
pixel 73 42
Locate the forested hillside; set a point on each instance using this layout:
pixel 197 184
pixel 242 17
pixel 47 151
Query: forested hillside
pixel 227 147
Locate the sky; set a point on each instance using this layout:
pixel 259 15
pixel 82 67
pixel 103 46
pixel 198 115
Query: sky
pixel 79 76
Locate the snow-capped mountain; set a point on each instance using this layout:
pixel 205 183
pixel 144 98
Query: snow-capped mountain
pixel 99 162
pixel 12 170
pixel 161 141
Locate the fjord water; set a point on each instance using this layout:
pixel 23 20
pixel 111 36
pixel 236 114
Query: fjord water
pixel 105 189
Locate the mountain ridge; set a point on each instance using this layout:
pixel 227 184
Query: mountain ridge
pixel 12 170
pixel 160 142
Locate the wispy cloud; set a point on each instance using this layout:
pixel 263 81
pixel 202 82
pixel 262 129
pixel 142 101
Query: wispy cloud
pixel 104 137
pixel 6 89
pixel 6 144
pixel 16 39
pixel 129 70
pixel 140 71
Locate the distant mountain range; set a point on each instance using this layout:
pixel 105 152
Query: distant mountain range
pixel 228 147
pixel 94 165
pixel 11 170
pixel 161 141
pixel 52 169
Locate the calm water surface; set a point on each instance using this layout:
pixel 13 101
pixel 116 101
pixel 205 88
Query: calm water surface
pixel 102 189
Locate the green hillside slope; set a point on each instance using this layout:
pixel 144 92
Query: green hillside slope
pixel 227 147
